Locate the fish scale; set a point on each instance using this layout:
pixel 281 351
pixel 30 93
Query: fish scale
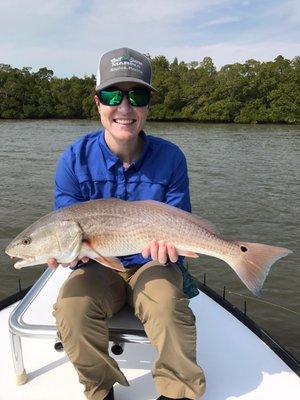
pixel 109 228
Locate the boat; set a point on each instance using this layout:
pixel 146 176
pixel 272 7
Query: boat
pixel 240 360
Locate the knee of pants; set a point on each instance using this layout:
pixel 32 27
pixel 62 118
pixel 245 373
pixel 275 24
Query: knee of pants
pixel 86 295
pixel 165 304
pixel 75 312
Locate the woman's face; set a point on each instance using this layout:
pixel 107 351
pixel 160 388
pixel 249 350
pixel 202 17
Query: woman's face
pixel 123 122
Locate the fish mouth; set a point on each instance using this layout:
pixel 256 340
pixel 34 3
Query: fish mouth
pixel 24 261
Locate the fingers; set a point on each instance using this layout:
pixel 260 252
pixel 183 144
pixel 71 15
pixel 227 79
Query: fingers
pixel 162 254
pixel 172 253
pixel 160 251
pixel 52 263
pixel 154 250
pixel 72 264
pixel 151 250
pixel 146 252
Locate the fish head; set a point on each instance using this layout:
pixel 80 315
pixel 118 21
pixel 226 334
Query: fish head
pixel 35 245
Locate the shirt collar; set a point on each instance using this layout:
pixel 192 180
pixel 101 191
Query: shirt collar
pixel 111 159
pixel 138 163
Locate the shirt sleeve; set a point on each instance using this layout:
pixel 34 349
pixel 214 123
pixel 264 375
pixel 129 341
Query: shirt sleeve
pixel 66 186
pixel 178 193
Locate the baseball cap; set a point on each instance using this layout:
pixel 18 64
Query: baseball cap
pixel 123 65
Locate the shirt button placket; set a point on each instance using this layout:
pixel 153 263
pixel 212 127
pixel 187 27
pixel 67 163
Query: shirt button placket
pixel 121 190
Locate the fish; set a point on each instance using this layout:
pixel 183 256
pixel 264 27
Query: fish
pixel 106 229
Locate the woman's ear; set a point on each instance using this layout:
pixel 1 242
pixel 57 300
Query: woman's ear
pixel 98 104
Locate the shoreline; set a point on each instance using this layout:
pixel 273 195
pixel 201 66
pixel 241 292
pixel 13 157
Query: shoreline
pixel 163 121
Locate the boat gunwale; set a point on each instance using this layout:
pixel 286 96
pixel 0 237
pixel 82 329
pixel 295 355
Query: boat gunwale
pixel 273 344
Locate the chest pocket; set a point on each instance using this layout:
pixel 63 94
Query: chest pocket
pixel 143 189
pixel 98 189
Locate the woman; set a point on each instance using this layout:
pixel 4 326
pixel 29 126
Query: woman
pixel 121 161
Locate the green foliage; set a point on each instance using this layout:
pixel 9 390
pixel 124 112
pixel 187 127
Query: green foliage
pixel 253 92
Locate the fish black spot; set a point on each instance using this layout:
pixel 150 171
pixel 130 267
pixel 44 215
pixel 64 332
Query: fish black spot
pixel 244 249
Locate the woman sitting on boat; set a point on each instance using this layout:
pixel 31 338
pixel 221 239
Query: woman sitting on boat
pixel 121 161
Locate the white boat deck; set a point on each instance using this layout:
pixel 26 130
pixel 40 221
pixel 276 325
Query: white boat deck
pixel 237 364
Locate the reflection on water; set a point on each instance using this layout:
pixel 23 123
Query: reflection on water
pixel 243 178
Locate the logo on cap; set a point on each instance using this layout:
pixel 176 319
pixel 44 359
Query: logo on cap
pixel 126 62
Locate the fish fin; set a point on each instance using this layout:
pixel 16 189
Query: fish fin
pixel 110 262
pixel 204 223
pixel 187 253
pixel 254 263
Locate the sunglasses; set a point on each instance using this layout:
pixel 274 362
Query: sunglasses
pixel 114 97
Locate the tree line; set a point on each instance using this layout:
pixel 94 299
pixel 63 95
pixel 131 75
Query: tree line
pixel 250 92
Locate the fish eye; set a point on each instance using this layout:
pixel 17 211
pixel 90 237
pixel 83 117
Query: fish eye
pixel 244 249
pixel 26 241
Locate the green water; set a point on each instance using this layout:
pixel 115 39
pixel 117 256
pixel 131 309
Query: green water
pixel 243 178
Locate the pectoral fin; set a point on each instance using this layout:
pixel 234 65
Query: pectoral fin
pixel 110 262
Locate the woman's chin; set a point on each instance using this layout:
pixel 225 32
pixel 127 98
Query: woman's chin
pixel 125 130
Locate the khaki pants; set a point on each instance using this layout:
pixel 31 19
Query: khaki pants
pixel 93 292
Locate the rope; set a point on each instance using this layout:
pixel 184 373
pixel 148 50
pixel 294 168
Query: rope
pixel 264 301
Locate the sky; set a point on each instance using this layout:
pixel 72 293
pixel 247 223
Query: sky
pixel 69 36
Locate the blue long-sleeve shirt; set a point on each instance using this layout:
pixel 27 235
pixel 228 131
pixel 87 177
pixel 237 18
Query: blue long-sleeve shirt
pixel 89 170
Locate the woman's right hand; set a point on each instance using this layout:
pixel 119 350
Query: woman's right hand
pixel 160 251
pixel 52 262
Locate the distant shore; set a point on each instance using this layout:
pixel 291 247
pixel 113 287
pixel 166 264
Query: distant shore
pixel 254 92
pixel 173 121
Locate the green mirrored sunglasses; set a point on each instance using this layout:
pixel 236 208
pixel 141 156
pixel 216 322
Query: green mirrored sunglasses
pixel 114 97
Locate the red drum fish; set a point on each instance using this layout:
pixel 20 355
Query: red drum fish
pixel 107 228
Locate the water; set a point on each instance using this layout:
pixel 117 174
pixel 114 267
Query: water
pixel 244 179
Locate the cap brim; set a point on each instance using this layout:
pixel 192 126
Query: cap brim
pixel 124 79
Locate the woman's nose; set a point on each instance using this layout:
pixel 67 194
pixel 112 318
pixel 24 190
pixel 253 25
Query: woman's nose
pixel 124 106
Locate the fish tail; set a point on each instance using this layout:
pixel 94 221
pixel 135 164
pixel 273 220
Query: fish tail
pixel 253 263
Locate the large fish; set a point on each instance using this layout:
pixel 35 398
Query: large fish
pixel 104 229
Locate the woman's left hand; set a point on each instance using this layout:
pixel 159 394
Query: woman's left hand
pixel 160 251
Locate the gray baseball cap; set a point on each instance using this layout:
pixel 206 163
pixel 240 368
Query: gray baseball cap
pixel 123 65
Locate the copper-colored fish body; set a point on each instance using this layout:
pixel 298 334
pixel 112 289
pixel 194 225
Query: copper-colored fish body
pixel 107 228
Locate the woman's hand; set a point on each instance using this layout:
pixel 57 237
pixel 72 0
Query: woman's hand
pixel 160 251
pixel 52 262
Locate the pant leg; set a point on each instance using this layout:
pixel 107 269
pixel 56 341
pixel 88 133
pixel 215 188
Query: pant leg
pixel 159 302
pixel 90 295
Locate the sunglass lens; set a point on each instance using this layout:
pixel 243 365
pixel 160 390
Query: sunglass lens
pixel 111 97
pixel 139 97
